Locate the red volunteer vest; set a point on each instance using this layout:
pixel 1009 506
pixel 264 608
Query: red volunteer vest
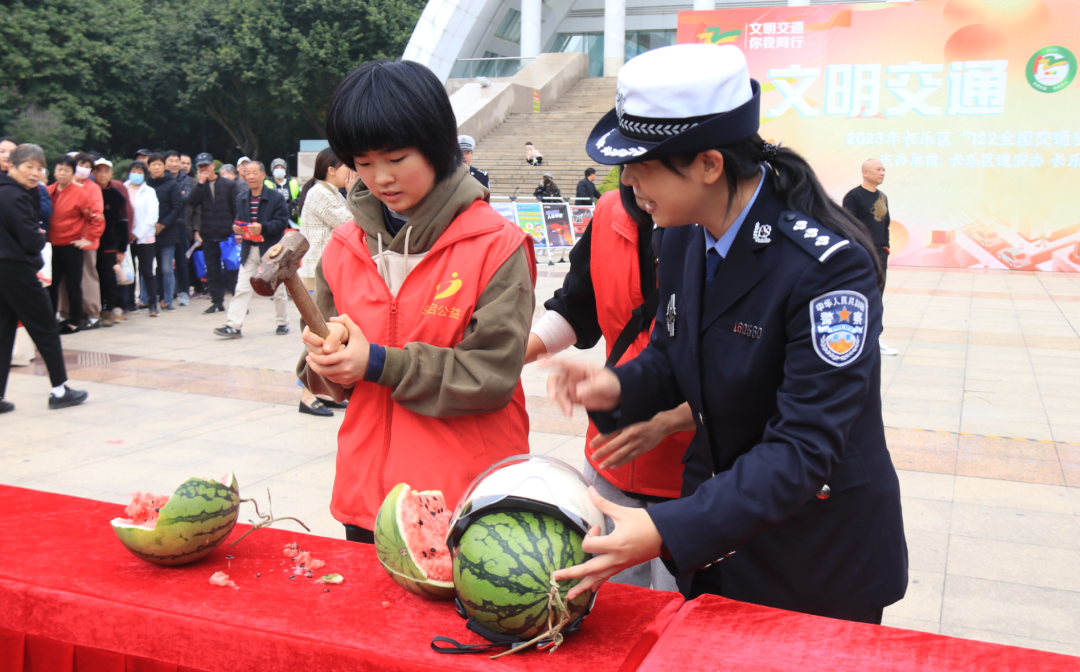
pixel 381 443
pixel 616 277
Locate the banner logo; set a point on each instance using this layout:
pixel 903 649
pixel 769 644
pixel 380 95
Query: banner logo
pixel 1051 69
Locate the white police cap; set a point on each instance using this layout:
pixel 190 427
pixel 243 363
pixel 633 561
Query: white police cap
pixel 466 142
pixel 678 100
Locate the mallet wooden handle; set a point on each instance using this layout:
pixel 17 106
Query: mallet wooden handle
pixel 306 305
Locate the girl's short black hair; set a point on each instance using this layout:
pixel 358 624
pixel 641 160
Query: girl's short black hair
pixel 383 106
pixel 65 160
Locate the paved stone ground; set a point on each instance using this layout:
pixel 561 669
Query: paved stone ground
pixel 979 407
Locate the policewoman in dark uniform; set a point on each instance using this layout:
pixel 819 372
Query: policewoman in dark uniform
pixel 768 299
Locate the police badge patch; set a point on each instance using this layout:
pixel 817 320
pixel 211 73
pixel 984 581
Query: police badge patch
pixel 838 326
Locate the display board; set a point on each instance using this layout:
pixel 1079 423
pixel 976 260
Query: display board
pixel 971 105
pixel 552 225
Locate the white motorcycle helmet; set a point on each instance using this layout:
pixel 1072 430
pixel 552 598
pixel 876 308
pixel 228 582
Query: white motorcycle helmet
pixel 532 483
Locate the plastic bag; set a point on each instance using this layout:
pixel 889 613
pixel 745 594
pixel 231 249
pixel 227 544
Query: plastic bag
pixel 230 253
pixel 199 259
pixel 125 271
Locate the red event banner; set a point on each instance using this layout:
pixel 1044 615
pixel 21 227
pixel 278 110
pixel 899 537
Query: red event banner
pixel 971 105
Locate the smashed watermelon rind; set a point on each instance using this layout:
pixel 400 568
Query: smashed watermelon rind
pixel 197 518
pixel 395 555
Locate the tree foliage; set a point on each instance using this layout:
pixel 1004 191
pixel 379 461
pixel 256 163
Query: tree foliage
pixel 227 76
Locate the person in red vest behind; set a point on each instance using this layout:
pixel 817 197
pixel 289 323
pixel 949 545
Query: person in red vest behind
pixel 432 293
pixel 610 291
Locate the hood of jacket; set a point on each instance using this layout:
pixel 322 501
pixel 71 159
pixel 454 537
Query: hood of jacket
pixel 447 199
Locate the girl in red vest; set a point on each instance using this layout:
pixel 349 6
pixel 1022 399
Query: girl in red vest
pixel 612 274
pixel 433 293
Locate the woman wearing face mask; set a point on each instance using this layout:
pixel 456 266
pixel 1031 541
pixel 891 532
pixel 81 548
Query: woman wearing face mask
pixel 144 202
pixel 288 187
pixel 322 209
pixel 768 297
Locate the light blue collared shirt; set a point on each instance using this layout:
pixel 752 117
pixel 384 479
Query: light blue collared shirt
pixel 723 246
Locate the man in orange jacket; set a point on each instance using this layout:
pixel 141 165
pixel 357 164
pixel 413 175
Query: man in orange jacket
pixel 77 225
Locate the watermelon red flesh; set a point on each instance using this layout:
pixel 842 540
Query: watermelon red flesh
pixel 410 541
pixel 424 521
pixel 144 509
pixel 503 568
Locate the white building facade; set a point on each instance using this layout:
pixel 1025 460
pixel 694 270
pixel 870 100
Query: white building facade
pixel 493 38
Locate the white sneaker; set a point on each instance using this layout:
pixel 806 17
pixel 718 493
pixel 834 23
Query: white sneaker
pixel 183 300
pixel 886 350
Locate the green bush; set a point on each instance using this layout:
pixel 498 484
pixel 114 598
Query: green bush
pixel 611 181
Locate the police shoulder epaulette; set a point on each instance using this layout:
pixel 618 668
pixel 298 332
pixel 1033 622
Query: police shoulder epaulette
pixel 818 241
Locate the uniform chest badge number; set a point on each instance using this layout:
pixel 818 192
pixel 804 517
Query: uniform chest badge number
pixel 838 326
pixel 671 316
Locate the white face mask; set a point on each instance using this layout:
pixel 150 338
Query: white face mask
pixel 279 173
pixel 82 172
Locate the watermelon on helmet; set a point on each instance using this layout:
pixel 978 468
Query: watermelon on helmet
pixel 191 524
pixel 410 541
pixel 503 566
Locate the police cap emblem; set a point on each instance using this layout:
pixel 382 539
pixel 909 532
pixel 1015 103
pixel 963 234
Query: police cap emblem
pixel 838 326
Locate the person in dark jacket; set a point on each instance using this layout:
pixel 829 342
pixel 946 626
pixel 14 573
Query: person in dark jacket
pixel 170 221
pixel 260 213
pixel 24 299
pixel 174 163
pixel 547 189
pixel 114 240
pixel 216 199
pixel 587 193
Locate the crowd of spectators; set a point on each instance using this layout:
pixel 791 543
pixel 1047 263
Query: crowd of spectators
pixel 176 228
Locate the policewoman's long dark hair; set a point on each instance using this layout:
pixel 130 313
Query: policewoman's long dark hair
pixel 796 184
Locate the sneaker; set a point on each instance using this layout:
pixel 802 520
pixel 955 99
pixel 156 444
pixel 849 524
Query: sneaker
pixel 214 308
pixel 886 350
pixel 317 408
pixel 183 299
pixel 107 319
pixel 118 315
pixel 92 323
pixel 228 332
pixel 153 311
pixel 282 329
pixel 170 308
pixel 7 406
pixel 71 398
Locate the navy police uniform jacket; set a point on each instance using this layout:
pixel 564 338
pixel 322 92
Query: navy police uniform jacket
pixel 481 176
pixel 781 368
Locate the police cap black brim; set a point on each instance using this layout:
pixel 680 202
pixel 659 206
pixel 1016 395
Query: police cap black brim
pixel 608 146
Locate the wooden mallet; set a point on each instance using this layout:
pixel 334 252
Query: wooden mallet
pixel 279 265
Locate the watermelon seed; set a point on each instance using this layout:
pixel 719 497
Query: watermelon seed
pixel 258 575
pixel 421 521
pixel 327 590
pixel 292 577
pixel 229 557
pixel 425 553
pixel 433 550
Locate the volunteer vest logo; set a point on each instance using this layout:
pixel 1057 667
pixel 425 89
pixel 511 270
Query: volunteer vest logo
pixel 445 290
pixel 838 326
pixel 1051 69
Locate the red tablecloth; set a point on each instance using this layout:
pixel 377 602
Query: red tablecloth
pixel 71 597
pixel 714 633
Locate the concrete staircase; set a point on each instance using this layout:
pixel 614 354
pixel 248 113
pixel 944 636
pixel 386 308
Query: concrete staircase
pixel 560 133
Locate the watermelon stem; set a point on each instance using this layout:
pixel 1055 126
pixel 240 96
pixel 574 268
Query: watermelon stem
pixel 266 520
pixel 556 604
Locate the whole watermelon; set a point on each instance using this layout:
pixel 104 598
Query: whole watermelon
pixel 191 524
pixel 503 568
pixel 410 541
